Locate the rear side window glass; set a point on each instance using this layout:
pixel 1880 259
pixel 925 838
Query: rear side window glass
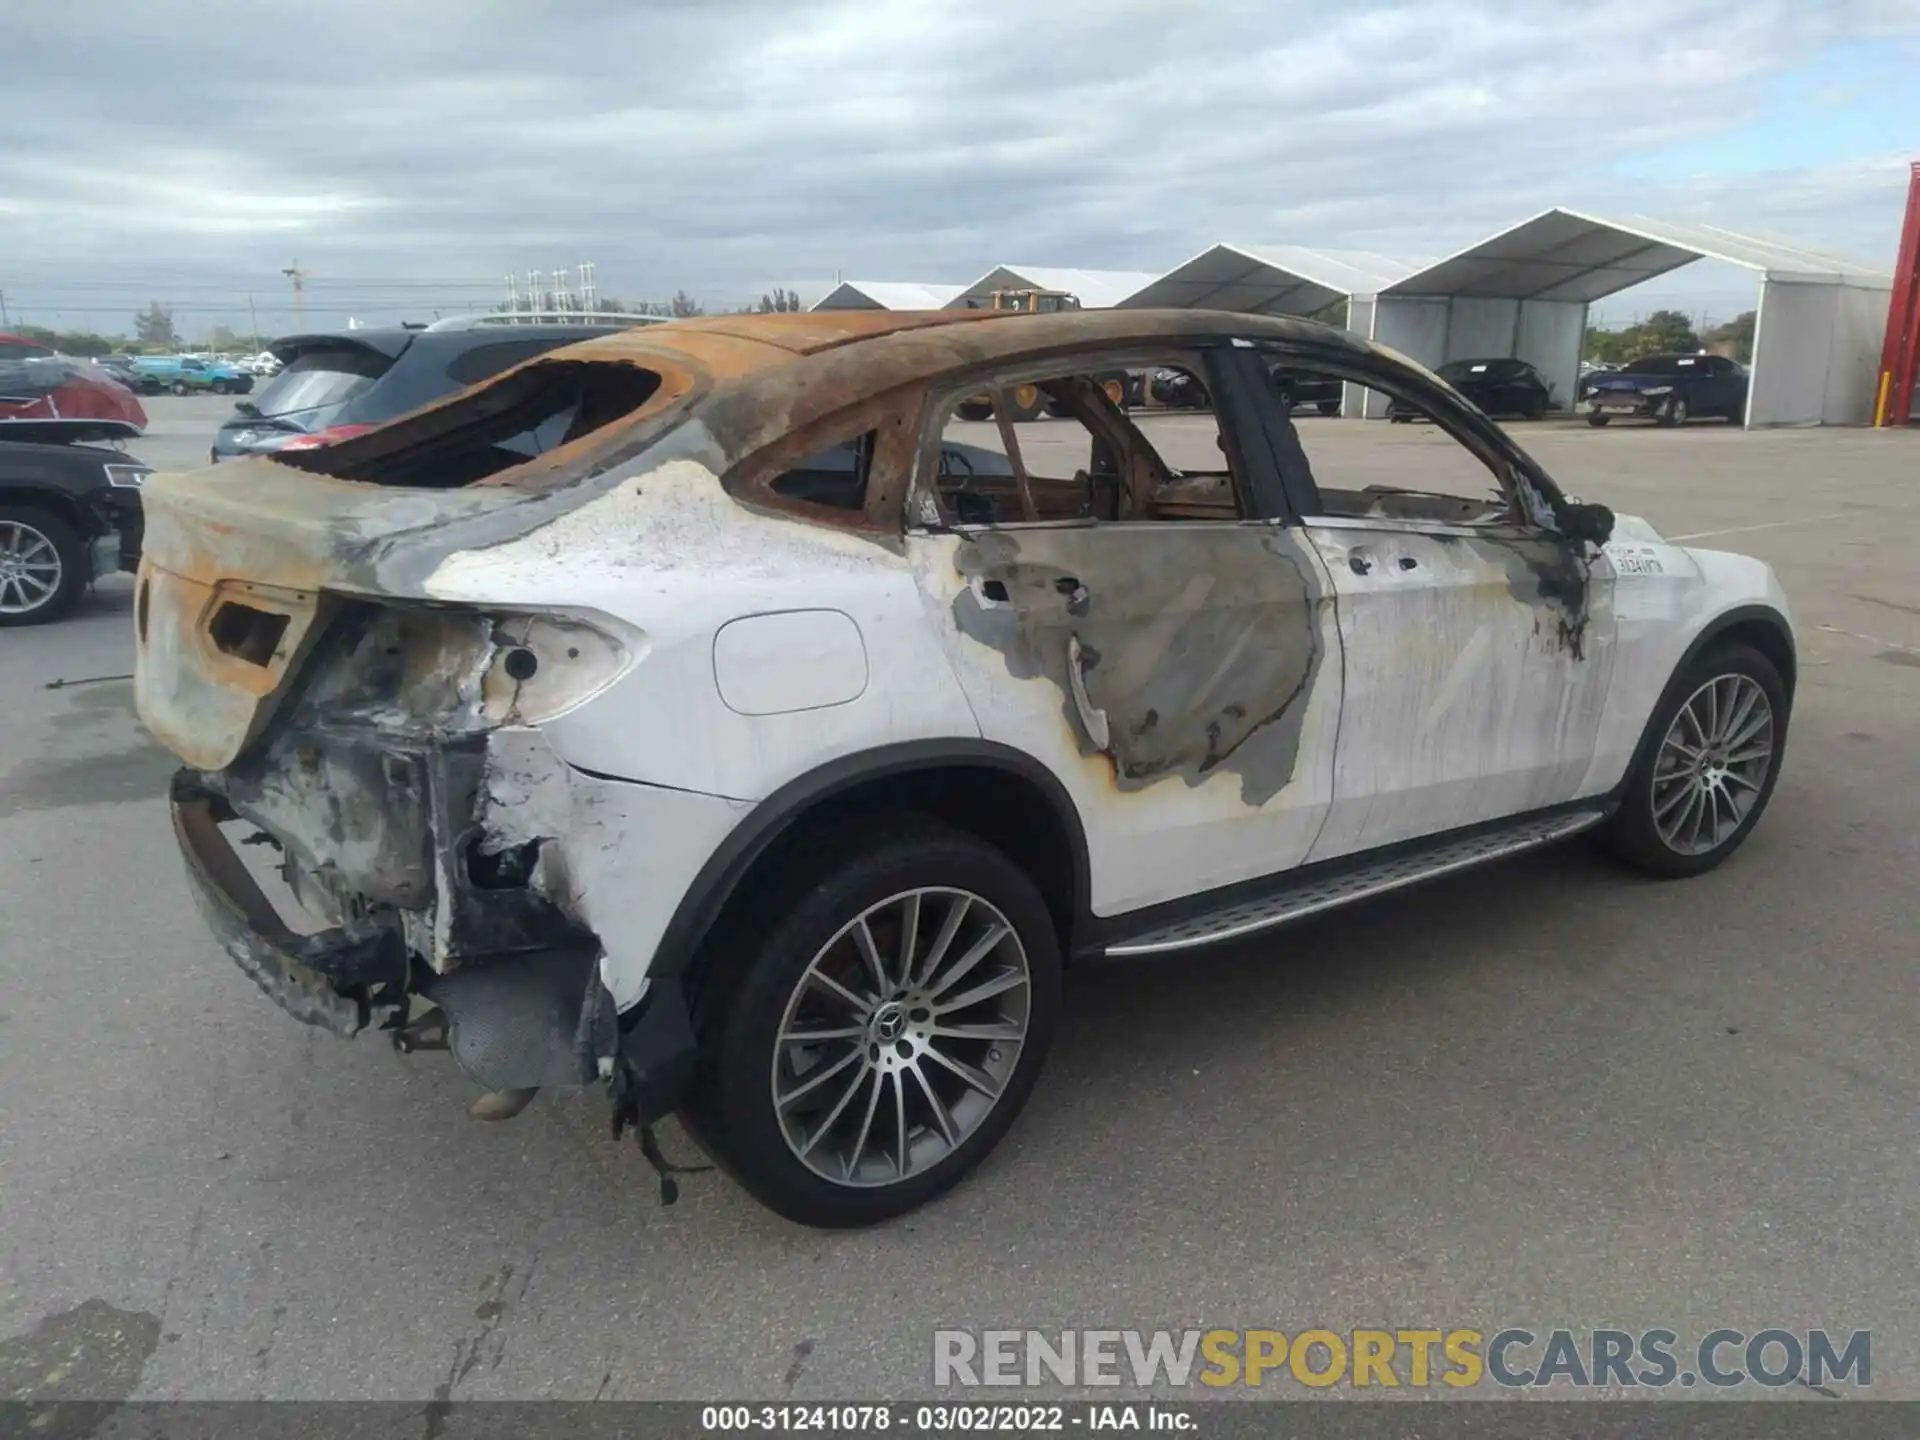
pixel 437 366
pixel 836 477
pixel 316 383
pixel 483 362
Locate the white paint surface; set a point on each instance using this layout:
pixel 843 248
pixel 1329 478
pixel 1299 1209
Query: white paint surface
pixel 632 852
pixel 672 556
pixel 793 660
pixel 1463 703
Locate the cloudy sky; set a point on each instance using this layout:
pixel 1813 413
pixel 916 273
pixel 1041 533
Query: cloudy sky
pixel 408 153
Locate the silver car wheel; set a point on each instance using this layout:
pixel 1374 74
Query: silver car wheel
pixel 1712 765
pixel 30 569
pixel 901 1037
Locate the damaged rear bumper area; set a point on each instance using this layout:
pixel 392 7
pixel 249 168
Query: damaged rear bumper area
pixel 444 924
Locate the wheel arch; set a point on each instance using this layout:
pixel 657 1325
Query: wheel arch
pixel 1760 626
pixel 68 507
pixel 989 790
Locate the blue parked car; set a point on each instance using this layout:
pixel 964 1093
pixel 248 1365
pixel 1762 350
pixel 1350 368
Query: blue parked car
pixel 184 375
pixel 1668 390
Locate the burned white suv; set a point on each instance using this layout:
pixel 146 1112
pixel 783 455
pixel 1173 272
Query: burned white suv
pixel 709 712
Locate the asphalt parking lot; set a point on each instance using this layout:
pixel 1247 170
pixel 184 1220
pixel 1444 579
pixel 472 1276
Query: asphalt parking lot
pixel 1544 1093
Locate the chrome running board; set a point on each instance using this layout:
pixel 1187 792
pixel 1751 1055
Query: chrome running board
pixel 1325 891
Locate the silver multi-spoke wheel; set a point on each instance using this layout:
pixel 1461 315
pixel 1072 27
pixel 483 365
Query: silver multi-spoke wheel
pixel 30 568
pixel 1713 764
pixel 901 1036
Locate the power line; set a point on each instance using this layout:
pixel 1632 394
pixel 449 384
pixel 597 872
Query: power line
pixel 242 286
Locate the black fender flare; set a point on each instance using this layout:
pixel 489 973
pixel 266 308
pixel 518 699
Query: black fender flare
pixel 701 906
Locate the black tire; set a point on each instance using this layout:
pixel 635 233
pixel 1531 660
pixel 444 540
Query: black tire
pixel 974 409
pixel 179 387
pixel 1329 408
pixel 67 545
pixel 1026 402
pixel 1597 420
pixel 219 387
pixel 1633 834
pixel 1674 413
pixel 1537 408
pixel 758 964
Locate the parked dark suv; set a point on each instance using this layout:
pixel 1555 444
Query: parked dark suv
pixel 337 385
pixel 69 513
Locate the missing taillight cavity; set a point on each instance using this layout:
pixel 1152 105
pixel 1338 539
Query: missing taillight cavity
pixel 246 633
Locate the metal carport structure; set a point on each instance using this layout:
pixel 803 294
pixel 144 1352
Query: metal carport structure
pixel 1095 289
pixel 886 295
pixel 1524 294
pixel 1280 280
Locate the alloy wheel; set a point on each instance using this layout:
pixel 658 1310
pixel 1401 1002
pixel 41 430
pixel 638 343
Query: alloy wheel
pixel 901 1037
pixel 30 568
pixel 1712 765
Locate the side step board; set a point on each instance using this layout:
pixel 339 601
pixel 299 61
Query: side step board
pixel 1324 891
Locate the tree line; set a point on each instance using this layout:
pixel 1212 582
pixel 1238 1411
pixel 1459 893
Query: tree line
pixel 153 330
pixel 1669 332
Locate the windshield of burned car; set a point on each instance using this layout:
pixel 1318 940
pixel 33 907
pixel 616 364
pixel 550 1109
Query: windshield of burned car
pixel 317 383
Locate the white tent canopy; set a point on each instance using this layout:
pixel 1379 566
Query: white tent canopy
pixel 1524 294
pixel 1095 289
pixel 1272 279
pixel 886 295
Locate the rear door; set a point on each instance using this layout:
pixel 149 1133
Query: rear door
pixel 1114 608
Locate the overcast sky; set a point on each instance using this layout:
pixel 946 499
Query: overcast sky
pixel 189 152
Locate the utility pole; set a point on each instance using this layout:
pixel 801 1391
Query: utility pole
pixel 4 322
pixel 298 276
pixel 253 323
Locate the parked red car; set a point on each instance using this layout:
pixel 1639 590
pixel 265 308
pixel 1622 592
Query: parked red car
pixel 38 383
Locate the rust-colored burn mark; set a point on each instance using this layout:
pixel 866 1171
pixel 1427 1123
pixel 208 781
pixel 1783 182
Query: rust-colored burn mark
pixel 1195 650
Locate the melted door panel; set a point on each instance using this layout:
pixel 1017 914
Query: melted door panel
pixel 1181 678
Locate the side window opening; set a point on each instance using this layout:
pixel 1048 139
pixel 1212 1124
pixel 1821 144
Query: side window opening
pixel 1095 445
pixel 1425 474
pixel 489 430
pixel 836 476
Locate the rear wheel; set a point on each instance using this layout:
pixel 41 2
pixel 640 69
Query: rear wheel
pixel 1675 411
pixel 43 566
pixel 1708 768
pixel 1537 408
pixel 179 387
pixel 1328 407
pixel 1597 420
pixel 974 409
pixel 878 1035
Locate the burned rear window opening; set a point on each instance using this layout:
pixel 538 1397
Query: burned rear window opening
pixel 519 417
